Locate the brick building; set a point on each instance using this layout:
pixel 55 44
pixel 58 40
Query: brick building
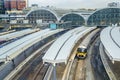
pixel 15 4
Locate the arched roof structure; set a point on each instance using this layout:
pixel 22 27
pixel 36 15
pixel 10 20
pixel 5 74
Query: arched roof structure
pixel 75 18
pixel 44 14
pixel 105 16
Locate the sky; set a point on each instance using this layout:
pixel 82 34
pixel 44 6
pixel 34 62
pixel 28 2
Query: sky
pixel 73 4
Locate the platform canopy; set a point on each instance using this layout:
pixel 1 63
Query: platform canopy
pixel 61 49
pixel 17 34
pixel 110 38
pixel 12 50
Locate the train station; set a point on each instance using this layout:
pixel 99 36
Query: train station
pixel 49 43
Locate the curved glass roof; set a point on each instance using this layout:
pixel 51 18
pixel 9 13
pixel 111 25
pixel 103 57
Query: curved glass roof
pixel 43 14
pixel 76 19
pixel 106 16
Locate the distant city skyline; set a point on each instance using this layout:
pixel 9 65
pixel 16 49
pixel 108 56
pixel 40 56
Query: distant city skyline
pixel 73 4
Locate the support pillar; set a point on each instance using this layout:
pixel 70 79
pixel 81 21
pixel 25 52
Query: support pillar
pixel 54 72
pixel 85 22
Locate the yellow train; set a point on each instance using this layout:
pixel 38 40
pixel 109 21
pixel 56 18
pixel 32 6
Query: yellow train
pixel 81 52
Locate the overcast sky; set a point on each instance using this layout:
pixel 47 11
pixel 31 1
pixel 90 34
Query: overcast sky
pixel 73 4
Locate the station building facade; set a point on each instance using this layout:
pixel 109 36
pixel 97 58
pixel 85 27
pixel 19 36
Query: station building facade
pixel 106 16
pixel 48 16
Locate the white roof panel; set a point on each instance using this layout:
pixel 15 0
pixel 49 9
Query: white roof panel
pixel 115 32
pixel 5 50
pixel 16 34
pixel 112 49
pixel 68 46
pixel 61 48
pixel 53 50
pixel 12 45
pixel 17 50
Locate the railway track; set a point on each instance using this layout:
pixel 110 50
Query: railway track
pixel 79 69
pixel 70 72
pixel 34 69
pixel 40 74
